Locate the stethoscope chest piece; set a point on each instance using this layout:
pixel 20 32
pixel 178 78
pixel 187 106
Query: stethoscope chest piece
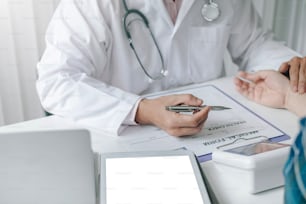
pixel 210 11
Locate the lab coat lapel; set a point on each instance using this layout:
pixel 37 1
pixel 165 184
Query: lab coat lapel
pixel 160 8
pixel 185 7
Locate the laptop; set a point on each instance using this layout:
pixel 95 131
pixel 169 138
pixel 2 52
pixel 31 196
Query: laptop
pixel 50 167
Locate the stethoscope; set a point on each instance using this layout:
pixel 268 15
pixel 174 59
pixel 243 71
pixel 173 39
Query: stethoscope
pixel 210 12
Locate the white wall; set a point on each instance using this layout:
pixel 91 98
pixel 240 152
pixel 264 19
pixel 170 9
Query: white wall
pixel 1 113
pixel 287 19
pixel 22 25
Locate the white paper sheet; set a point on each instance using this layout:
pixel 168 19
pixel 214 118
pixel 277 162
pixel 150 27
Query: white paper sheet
pixel 221 127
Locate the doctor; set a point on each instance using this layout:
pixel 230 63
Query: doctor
pixel 102 55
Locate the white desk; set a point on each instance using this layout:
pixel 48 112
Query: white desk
pixel 225 190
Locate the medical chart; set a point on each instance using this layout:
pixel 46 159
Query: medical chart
pixel 221 127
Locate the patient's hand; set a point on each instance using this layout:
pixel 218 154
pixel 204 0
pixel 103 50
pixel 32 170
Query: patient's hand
pixel 269 88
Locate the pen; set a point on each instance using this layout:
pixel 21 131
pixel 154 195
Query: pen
pixel 186 108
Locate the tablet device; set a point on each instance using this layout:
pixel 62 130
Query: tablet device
pixel 152 177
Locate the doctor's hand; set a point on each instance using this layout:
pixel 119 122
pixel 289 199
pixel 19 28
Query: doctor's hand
pixel 153 112
pixel 269 88
pixel 296 70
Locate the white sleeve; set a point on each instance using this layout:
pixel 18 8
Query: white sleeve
pixel 76 54
pixel 250 47
pixel 130 119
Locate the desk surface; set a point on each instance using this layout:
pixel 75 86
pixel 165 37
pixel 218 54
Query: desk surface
pixel 226 191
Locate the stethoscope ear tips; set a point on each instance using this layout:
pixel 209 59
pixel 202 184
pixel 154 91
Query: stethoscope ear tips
pixel 210 11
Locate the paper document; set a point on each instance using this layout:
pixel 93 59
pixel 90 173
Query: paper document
pixel 221 127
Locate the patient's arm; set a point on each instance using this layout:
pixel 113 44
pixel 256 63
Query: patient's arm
pixel 272 89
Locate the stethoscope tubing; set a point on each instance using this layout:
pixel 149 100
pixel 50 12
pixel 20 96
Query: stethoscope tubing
pixel 130 39
pixel 210 12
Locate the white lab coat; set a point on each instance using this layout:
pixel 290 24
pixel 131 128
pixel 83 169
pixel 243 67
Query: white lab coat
pixel 90 74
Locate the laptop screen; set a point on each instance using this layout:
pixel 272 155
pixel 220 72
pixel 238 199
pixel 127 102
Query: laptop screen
pixel 47 167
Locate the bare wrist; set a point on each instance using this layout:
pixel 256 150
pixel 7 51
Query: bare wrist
pixel 289 101
pixel 295 102
pixel 142 113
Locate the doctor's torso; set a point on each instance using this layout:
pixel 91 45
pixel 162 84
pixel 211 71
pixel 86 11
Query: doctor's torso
pixel 192 48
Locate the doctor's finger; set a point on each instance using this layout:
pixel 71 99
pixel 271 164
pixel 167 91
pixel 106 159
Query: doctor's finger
pixel 302 77
pixel 194 120
pixel 284 67
pixel 185 131
pixel 187 99
pixel 294 73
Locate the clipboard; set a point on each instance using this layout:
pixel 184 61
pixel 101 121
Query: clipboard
pixel 221 127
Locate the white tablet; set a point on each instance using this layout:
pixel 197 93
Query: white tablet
pixel 169 177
